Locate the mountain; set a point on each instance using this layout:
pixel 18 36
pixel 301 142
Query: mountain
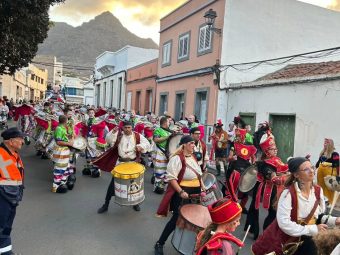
pixel 81 45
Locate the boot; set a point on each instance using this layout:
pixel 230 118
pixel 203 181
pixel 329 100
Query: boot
pixel 104 208
pixel 39 153
pixel 86 171
pixel 153 179
pixel 136 208
pixel 62 188
pixel 158 249
pixel 95 173
pixel 44 156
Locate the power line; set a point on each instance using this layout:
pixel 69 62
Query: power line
pixel 71 67
pixel 286 59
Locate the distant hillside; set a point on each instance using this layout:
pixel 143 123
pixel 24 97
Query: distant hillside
pixel 81 45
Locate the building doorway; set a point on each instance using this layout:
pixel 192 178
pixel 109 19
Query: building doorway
pixel 283 128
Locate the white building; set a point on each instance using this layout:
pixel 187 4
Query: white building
pixel 111 70
pixel 301 102
pixel 89 93
pixel 73 88
pixel 266 29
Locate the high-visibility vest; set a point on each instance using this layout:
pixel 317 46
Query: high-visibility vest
pixel 11 168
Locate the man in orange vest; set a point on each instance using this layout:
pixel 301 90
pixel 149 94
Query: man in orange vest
pixel 11 184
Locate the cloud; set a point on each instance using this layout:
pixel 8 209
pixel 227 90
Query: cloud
pixel 147 12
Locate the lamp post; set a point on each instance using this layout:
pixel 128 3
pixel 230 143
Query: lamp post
pixel 210 17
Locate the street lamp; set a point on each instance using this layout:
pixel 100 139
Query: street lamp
pixel 210 17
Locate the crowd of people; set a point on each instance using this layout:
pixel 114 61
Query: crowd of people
pixel 299 200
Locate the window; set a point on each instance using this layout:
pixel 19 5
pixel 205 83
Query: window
pixel 204 40
pixel 111 92
pixel 180 105
pixel 201 106
pixel 74 92
pixel 183 47
pixel 163 104
pixel 32 77
pixel 166 57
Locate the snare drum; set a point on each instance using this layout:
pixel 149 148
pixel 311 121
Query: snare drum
pixel 213 192
pixel 192 219
pixel 129 183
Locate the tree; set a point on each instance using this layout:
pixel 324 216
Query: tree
pixel 23 25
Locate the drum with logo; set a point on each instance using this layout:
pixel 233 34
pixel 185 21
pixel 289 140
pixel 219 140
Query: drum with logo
pixel 212 190
pixel 129 183
pixel 192 219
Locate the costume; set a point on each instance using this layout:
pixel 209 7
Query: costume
pixel 123 149
pixel 11 192
pixel 240 158
pixel 219 146
pixel 221 212
pixel 94 132
pixel 327 167
pixel 160 159
pixel 187 173
pixel 200 152
pixel 61 160
pixel 268 188
pixel 296 221
pixel 25 119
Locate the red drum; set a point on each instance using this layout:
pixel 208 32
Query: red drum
pixel 193 219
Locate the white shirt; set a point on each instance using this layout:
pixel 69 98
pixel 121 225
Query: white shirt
pixel 304 208
pixel 199 148
pixel 127 145
pixel 175 165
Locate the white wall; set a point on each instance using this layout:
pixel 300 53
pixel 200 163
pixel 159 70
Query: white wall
pixel 315 105
pixel 265 29
pixel 122 60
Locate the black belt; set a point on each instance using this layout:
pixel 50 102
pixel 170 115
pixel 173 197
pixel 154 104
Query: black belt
pixel 126 159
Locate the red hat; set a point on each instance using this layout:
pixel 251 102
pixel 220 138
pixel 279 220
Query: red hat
pixel 277 163
pixel 100 112
pixel 218 123
pixel 267 141
pixel 225 212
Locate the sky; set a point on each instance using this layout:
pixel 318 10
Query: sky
pixel 141 17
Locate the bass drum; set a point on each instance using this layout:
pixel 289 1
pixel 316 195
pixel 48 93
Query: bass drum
pixel 248 179
pixel 174 144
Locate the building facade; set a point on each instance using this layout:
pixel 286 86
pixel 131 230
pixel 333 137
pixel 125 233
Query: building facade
pixel 267 29
pixel 89 93
pixel 188 52
pixel 300 102
pixel 141 87
pixel 37 83
pixel 54 68
pixel 14 86
pixel 110 74
pixel 73 89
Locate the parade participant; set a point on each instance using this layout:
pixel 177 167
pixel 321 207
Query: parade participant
pixel 328 242
pixel 184 177
pixel 220 143
pixel 61 158
pixel 271 176
pixel 161 138
pixel 300 215
pixel 241 156
pixel 25 120
pixel 94 131
pixel 328 164
pixel 200 149
pixel 191 122
pixel 217 238
pixel 126 146
pixel 11 184
pixel 45 129
pixel 71 134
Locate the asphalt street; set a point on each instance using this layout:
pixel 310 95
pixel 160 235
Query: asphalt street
pixel 60 224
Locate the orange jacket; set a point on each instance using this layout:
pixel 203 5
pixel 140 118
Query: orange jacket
pixel 11 168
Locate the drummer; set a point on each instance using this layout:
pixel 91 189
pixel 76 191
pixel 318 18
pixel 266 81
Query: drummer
pixel 216 238
pixel 60 158
pixel 69 112
pixel 184 175
pixel 200 149
pixel 127 146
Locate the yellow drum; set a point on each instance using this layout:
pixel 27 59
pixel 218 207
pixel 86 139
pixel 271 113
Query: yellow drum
pixel 325 169
pixel 129 183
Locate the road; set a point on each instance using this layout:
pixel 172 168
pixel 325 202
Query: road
pixel 60 224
